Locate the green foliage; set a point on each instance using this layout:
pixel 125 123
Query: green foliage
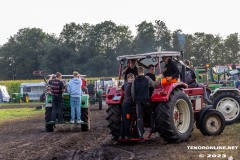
pixel 92 49
pixel 14 86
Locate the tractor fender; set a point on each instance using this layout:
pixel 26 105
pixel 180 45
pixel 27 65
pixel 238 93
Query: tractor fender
pixel 201 113
pixel 224 89
pixel 163 92
pixel 114 96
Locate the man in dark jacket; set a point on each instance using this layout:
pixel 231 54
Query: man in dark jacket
pixel 130 68
pixel 151 71
pixel 170 70
pixel 192 83
pixel 140 94
pixel 57 88
pixel 126 107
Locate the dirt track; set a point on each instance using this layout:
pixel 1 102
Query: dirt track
pixel 27 139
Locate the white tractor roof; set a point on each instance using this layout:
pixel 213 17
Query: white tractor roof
pixel 151 54
pixel 34 84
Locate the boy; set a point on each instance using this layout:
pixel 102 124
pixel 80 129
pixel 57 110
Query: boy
pixel 127 107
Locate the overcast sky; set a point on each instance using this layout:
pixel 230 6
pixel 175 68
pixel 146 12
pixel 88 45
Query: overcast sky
pixel 209 16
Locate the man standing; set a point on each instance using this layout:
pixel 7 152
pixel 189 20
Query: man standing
pixel 151 71
pixel 74 89
pixel 130 68
pixel 140 94
pixel 57 88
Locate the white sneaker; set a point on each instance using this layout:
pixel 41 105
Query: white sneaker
pixel 79 121
pixel 72 121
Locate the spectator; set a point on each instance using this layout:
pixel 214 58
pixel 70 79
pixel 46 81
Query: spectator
pixel 57 88
pixel 238 83
pixel 126 108
pixel 84 85
pixel 151 74
pixel 130 68
pixel 74 89
pixel 140 94
pixel 91 88
pixel 191 81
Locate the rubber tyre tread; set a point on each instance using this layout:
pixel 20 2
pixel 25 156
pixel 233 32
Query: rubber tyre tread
pixel 164 121
pixel 114 120
pixel 86 118
pixel 203 120
pixel 48 114
pixel 222 95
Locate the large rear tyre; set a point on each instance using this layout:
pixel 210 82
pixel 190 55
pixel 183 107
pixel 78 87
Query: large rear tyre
pixel 212 123
pixel 174 119
pixel 114 120
pixel 85 116
pixel 228 103
pixel 48 114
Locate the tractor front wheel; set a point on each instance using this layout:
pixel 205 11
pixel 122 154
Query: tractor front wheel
pixel 174 119
pixel 114 120
pixel 212 123
pixel 228 103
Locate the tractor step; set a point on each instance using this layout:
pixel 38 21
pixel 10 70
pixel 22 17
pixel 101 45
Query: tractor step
pixel 64 122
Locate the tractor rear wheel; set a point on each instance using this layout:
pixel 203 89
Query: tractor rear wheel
pixel 85 116
pixel 48 114
pixel 228 103
pixel 212 123
pixel 114 120
pixel 174 119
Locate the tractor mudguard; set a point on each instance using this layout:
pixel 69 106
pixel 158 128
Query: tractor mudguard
pixel 162 92
pixel 85 101
pixel 201 113
pixel 114 96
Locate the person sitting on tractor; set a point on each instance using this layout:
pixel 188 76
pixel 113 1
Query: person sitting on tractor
pixel 130 68
pixel 237 84
pixel 170 70
pixel 190 78
pixel 126 108
pixel 140 94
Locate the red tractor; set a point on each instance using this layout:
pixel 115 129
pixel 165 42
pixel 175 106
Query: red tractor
pixel 176 107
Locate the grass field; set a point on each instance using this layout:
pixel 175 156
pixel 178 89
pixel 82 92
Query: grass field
pixel 21 104
pixel 19 113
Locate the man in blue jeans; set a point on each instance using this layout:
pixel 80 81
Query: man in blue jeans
pixel 75 91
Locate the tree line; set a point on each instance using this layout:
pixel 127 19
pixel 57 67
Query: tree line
pixel 92 49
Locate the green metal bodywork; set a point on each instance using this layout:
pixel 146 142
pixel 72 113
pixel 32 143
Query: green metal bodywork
pixel 66 100
pixel 217 79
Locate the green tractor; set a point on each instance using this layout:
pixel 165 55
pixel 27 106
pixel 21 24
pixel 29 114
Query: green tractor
pixel 85 109
pixel 225 96
pixel 214 77
pixel 18 98
pixel 85 112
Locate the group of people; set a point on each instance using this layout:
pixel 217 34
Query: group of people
pixel 74 88
pixel 138 89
